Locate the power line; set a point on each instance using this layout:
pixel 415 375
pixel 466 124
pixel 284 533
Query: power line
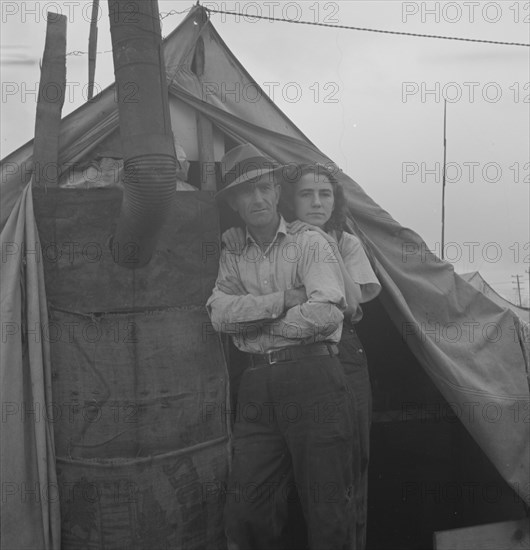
pixel 164 14
pixel 79 52
pixel 350 28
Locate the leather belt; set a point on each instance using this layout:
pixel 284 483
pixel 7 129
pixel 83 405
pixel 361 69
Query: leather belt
pixel 292 354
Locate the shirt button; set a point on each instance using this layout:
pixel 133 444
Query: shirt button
pixel 265 281
pixel 360 350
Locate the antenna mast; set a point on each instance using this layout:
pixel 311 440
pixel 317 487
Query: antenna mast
pixel 443 183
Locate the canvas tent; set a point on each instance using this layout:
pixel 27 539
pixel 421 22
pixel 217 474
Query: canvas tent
pixel 475 279
pixel 135 347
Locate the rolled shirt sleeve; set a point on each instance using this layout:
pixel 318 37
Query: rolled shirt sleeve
pixel 227 310
pixel 358 266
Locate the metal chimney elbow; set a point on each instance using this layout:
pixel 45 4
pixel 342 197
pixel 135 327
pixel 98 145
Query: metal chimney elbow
pixel 145 127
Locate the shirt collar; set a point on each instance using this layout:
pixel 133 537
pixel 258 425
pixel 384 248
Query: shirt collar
pixel 282 230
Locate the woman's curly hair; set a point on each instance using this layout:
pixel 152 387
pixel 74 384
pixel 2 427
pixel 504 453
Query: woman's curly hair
pixel 339 221
pixel 291 174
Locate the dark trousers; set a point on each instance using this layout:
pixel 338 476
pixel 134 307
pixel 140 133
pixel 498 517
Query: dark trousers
pixel 353 359
pixel 294 437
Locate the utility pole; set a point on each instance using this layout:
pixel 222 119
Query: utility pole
pixel 518 289
pixel 528 273
pixel 443 183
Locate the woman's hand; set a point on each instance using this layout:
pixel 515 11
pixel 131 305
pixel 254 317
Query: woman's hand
pixel 298 226
pixel 234 240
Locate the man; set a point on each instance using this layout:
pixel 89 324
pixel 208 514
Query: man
pixel 281 298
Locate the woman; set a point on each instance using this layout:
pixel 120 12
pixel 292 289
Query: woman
pixel 312 198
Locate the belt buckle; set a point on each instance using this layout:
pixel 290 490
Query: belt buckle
pixel 270 359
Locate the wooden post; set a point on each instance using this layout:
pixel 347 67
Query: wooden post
pixel 204 131
pixel 206 154
pixel 50 103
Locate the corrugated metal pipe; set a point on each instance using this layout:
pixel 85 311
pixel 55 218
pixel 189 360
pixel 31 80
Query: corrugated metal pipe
pixel 145 128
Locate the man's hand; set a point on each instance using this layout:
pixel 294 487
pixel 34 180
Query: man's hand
pixel 295 297
pixel 234 240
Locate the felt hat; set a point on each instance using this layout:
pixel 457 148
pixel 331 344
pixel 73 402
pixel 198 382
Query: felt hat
pixel 244 164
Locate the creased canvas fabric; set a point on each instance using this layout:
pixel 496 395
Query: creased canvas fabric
pixel 30 518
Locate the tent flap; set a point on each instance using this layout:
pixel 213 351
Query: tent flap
pixel 30 496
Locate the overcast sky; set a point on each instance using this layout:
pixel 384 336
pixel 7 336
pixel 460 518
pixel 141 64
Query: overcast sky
pixel 371 102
